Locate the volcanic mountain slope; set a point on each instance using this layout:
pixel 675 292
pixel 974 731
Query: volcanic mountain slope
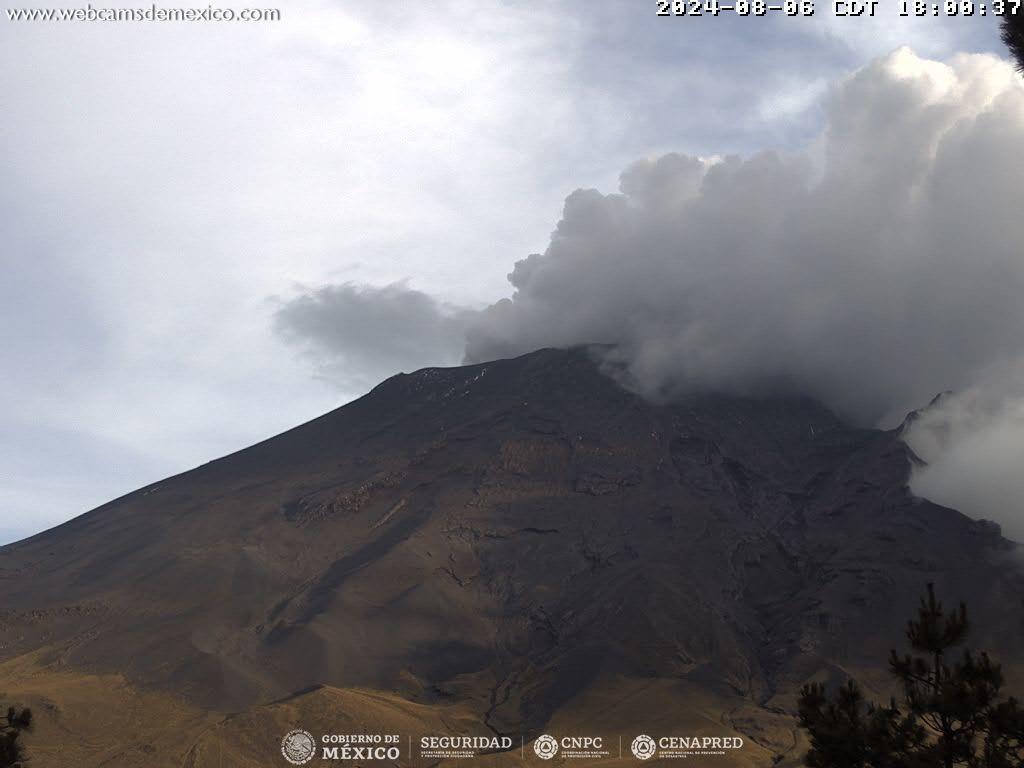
pixel 520 544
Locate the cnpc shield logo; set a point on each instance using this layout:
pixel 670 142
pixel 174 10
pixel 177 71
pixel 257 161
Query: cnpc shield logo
pixel 546 747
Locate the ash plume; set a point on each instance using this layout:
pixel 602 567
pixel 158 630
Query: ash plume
pixel 872 270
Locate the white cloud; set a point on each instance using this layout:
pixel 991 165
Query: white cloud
pixel 972 442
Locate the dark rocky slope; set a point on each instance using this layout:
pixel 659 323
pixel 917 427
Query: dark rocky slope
pixel 512 535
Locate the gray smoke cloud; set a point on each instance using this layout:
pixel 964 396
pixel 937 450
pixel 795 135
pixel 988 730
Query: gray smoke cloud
pixel 360 334
pixel 878 267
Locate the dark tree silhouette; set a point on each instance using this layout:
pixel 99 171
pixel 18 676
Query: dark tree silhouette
pixel 1004 745
pixel 952 711
pixel 1013 34
pixel 849 733
pixel 12 755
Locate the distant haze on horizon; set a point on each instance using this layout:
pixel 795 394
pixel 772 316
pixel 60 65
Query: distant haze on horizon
pixel 215 232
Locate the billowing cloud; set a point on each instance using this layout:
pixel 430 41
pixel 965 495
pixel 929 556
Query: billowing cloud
pixel 360 334
pixel 872 270
pixel 971 442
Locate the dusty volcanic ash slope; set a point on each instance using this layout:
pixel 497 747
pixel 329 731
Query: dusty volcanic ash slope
pixel 515 537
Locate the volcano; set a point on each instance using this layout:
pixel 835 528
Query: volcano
pixel 512 548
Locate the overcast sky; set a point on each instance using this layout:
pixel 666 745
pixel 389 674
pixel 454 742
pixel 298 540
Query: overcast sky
pixel 177 200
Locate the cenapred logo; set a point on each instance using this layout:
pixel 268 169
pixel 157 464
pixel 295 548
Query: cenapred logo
pixel 546 747
pixel 643 747
pixel 298 746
